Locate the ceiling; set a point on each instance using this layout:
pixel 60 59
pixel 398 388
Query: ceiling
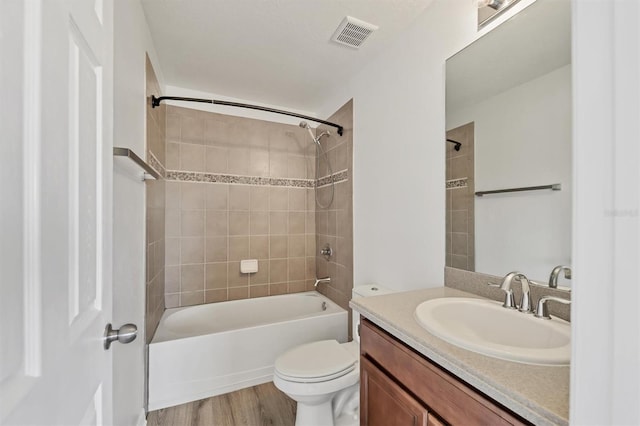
pixel 275 52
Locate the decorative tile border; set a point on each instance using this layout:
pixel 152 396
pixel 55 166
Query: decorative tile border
pixel 341 176
pixel 457 183
pixel 253 180
pixel 156 164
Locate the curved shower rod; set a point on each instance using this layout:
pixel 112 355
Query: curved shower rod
pixel 156 102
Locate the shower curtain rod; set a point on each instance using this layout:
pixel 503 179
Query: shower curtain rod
pixel 156 102
pixel 458 144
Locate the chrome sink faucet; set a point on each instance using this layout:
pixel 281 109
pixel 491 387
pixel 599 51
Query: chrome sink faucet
pixel 509 301
pixel 553 278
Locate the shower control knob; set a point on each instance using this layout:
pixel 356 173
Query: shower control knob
pixel 125 334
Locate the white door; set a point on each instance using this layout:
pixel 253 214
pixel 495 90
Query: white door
pixel 55 202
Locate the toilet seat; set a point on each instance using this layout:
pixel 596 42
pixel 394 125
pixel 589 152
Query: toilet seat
pixel 315 362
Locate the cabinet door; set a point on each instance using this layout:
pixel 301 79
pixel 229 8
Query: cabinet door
pixel 384 403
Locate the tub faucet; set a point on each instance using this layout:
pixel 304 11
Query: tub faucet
pixel 553 278
pixel 509 301
pixel 322 280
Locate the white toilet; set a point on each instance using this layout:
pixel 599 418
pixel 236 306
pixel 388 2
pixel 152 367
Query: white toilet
pixel 324 377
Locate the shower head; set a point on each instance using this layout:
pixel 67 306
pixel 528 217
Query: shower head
pixel 304 125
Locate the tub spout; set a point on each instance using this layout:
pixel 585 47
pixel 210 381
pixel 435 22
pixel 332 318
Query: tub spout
pixel 322 280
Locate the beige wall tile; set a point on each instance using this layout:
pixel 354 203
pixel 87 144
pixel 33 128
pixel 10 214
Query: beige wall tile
pixel 278 222
pixel 172 279
pixel 192 278
pixel 278 246
pixel 278 164
pixel 217 223
pixel 297 245
pixel 259 291
pixel 172 251
pixel 216 129
pixel 173 156
pixel 278 288
pixel 212 296
pixel 236 293
pixel 278 198
pixel 238 223
pixel 262 276
pixel 259 198
pixel 191 250
pixel 310 268
pixel 459 243
pixel 258 163
pixel 238 161
pixel 310 244
pixel 297 199
pixel 310 222
pixel 297 268
pixel 297 222
pixel 192 196
pixel 173 127
pixel 278 270
pixel 259 247
pixel 297 287
pixel 331 222
pixel 234 277
pixel 172 300
pixel 238 248
pixel 216 276
pixel 192 158
pixel 192 129
pixel 172 195
pixel 216 249
pixel 216 159
pixel 172 223
pixel 239 197
pixel 191 298
pixel 259 223
pixel 191 223
pixel 297 167
pixel 217 195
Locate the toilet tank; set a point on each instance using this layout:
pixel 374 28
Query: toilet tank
pixel 366 290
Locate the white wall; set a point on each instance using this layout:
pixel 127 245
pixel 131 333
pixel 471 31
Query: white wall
pixel 523 138
pixel 132 40
pixel 399 148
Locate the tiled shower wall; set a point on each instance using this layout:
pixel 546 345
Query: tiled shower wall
pixel 155 208
pixel 237 189
pixel 460 234
pixel 334 224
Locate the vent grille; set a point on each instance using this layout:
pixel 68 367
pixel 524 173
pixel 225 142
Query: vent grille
pixel 353 32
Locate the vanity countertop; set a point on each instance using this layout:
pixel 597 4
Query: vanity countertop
pixel 539 394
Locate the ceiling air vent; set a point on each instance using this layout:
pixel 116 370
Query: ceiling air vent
pixel 353 32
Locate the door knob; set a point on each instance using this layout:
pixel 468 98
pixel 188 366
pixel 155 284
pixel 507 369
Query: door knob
pixel 125 334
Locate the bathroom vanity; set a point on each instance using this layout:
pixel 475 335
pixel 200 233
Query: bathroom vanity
pixel 409 376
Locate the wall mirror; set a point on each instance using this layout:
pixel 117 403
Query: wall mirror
pixel 508 121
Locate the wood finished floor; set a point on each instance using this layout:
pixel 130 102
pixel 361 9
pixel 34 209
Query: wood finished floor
pixel 256 406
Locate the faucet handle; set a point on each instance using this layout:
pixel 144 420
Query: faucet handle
pixel 509 298
pixel 542 311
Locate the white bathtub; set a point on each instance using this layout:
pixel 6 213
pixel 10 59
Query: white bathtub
pixel 206 350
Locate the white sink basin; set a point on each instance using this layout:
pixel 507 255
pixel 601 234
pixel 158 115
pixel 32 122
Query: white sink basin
pixel 486 327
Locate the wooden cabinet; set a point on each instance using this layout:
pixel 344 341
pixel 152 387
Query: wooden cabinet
pixel 398 386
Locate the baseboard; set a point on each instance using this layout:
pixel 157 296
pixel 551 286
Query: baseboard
pixel 142 418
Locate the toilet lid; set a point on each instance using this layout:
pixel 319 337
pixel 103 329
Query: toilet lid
pixel 317 361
